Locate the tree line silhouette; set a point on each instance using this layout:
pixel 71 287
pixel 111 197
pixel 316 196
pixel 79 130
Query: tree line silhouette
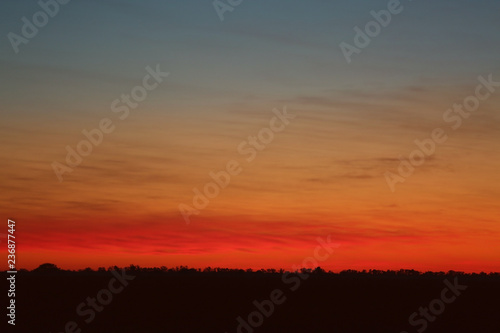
pixel 186 270
pixel 214 299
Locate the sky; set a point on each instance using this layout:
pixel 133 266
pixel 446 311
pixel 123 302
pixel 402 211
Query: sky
pixel 323 174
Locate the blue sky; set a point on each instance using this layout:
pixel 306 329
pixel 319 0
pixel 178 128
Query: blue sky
pixel 273 49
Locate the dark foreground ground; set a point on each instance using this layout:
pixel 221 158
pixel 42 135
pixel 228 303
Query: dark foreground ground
pixel 185 300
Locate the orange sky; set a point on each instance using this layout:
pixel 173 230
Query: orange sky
pixel 120 206
pixel 323 174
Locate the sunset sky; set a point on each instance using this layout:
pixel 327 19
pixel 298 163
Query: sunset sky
pixel 323 174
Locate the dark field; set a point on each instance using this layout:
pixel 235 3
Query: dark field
pixel 183 300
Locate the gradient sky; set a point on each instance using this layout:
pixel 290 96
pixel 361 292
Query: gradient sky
pixel 323 175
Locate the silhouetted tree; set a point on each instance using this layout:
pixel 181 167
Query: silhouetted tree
pixel 47 267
